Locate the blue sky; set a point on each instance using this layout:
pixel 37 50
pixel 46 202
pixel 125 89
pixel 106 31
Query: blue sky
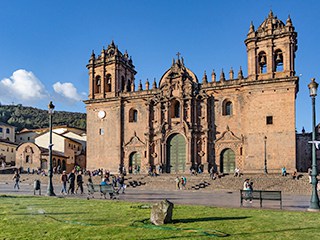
pixel 48 43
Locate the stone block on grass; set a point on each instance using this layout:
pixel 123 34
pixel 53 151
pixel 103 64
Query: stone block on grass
pixel 161 213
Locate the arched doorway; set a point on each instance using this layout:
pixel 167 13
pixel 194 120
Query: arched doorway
pixel 176 154
pixel 64 165
pixel 227 161
pixel 134 162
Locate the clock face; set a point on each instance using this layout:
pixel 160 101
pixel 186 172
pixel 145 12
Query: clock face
pixel 101 114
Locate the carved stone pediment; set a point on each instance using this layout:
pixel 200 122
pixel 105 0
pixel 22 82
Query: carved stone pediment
pixel 134 142
pixel 228 136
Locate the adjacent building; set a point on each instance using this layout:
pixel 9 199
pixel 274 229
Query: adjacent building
pixel 69 148
pixel 7 145
pixel 30 156
pixel 7 132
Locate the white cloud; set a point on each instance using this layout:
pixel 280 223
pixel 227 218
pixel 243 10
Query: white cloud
pixel 68 90
pixel 22 86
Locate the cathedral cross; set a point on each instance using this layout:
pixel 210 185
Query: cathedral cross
pixel 178 54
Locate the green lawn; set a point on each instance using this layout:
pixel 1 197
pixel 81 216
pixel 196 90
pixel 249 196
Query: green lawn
pixel 27 217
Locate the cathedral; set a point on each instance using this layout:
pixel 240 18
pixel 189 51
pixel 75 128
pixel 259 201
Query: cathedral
pixel 225 122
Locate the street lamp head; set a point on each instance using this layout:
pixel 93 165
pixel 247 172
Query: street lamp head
pixel 51 107
pixel 313 86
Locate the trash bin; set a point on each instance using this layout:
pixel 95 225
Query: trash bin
pixel 36 186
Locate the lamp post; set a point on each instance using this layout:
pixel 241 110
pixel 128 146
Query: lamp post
pixel 265 169
pixel 314 202
pixel 50 185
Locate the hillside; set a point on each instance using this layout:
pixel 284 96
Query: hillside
pixel 31 118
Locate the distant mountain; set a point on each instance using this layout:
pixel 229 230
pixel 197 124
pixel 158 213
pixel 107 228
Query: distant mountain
pixel 32 118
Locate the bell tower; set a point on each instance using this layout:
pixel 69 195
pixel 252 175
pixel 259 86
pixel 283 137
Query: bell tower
pixel 110 73
pixel 271 49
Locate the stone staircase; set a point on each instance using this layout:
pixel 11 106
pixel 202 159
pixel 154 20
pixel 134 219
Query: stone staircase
pixel 203 182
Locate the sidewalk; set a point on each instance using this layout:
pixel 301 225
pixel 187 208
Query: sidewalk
pixel 215 198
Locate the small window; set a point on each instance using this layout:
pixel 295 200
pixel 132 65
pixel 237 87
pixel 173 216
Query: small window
pixel 28 138
pixel 1 130
pixel 133 115
pixel 269 120
pixel 8 131
pixel 101 131
pixel 27 159
pixel 227 108
pixel 12 150
pixel 20 138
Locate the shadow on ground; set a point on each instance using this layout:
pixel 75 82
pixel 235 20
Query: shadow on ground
pixel 191 220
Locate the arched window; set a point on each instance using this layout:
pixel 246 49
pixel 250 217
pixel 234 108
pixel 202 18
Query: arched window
pixel 123 83
pixel 133 115
pixel 97 87
pixel 64 165
pixel 8 130
pixel 262 61
pixel 108 83
pixel 27 159
pixel 227 108
pixel 278 61
pixel 129 85
pixel 175 109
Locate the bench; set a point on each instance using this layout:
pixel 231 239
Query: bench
pixel 103 189
pixel 260 195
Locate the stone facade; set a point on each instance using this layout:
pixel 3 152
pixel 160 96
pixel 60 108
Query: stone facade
pixel 179 123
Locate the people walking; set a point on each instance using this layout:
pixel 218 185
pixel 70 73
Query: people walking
pixel 16 177
pixel 71 179
pixel 79 182
pixel 183 182
pixel 121 184
pixel 178 181
pixel 64 180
